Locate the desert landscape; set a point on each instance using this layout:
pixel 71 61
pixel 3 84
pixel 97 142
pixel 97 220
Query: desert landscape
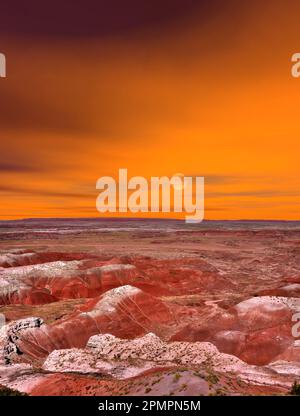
pixel 149 307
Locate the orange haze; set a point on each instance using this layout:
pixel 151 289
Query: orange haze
pixel 211 97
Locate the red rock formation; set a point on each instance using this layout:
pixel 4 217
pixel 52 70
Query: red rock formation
pixel 256 330
pixel 49 282
pixel 234 286
pixel 125 312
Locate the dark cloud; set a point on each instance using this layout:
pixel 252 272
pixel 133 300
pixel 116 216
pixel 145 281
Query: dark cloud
pixel 12 167
pixel 211 179
pixel 93 17
pixel 24 111
pixel 46 193
pixel 264 193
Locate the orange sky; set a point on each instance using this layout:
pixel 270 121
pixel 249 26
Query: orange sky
pixel 211 96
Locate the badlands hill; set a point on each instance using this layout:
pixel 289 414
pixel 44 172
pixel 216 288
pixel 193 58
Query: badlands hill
pixel 133 307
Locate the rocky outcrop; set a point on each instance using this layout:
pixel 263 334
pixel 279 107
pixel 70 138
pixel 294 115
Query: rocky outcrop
pixel 49 282
pixel 17 259
pixel 11 336
pixel 109 353
pixel 125 311
pixel 256 330
pixel 123 359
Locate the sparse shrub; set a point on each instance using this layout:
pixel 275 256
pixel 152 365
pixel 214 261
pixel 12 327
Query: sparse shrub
pixel 220 392
pixel 212 378
pixel 177 376
pixel 295 390
pixel 6 391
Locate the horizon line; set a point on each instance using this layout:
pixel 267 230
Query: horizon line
pixel 146 219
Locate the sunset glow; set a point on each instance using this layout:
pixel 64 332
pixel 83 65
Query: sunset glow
pixel 205 92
